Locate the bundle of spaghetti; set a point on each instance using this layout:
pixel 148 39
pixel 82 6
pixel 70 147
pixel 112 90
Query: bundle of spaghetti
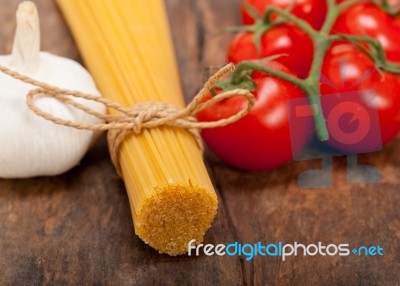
pixel 128 49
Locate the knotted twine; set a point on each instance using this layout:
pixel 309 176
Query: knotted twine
pixel 140 116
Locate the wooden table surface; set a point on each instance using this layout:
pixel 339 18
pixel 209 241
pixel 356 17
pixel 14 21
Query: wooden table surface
pixel 76 229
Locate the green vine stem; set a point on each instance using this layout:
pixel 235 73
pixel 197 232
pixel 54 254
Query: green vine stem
pixel 303 25
pixel 375 53
pixel 249 65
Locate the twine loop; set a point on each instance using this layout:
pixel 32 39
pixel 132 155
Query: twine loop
pixel 141 116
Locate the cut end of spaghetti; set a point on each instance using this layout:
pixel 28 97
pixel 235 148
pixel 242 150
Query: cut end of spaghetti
pixel 174 215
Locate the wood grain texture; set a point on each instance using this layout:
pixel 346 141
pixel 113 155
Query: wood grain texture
pixel 76 229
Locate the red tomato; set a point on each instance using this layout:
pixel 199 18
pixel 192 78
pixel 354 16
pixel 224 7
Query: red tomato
pixel 369 20
pixel 357 90
pixel 286 39
pixel 261 139
pixel 313 11
pixel 397 22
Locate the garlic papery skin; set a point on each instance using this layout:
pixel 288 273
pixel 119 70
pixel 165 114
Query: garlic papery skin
pixel 31 146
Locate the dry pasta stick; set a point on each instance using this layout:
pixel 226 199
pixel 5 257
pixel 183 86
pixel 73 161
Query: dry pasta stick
pixel 128 49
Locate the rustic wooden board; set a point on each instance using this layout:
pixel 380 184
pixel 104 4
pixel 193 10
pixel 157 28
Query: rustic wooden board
pixel 76 229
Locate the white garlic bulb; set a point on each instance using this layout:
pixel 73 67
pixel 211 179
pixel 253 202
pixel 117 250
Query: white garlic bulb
pixel 29 145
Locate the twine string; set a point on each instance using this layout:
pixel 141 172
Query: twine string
pixel 140 116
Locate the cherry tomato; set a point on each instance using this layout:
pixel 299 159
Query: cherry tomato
pixel 364 102
pixel 261 139
pixel 369 20
pixel 313 11
pixel 286 39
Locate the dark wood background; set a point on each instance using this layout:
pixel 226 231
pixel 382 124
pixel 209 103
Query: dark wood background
pixel 76 229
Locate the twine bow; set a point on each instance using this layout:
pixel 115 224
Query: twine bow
pixel 138 117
